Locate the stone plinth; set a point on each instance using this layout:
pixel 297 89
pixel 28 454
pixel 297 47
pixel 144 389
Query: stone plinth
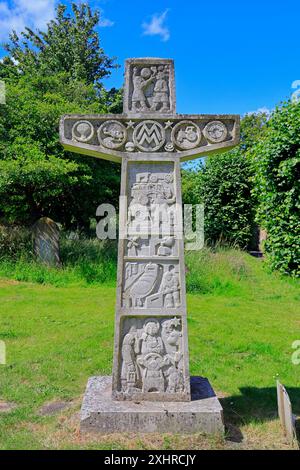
pixel 101 414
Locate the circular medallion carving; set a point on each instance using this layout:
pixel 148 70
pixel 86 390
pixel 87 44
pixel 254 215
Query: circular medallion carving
pixel 82 131
pixel 112 134
pixel 186 135
pixel 149 136
pixel 215 132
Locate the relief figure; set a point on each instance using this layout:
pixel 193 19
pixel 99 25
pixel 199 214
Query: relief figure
pixel 152 357
pixel 170 288
pixel 140 82
pixel 161 92
pixel 130 371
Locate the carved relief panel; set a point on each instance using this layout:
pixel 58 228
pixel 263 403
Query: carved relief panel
pixel 152 200
pixel 151 247
pixel 168 134
pixel 151 357
pixel 151 285
pixel 151 353
pixel 151 274
pixel 149 86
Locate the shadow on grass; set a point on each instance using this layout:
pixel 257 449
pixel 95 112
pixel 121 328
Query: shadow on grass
pixel 255 405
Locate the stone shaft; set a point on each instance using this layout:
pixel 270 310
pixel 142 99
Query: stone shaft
pixel 151 346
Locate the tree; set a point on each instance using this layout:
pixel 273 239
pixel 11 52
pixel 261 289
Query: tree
pixel 226 195
pixel 223 184
pixel 276 176
pixel 191 182
pixel 37 177
pixel 70 44
pixel 253 127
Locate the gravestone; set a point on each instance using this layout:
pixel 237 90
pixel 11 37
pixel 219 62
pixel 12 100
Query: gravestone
pixel 46 241
pixel 286 416
pixel 150 388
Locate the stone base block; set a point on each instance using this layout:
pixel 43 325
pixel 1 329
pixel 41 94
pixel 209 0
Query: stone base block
pixel 99 413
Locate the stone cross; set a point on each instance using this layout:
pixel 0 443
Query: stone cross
pixel 150 141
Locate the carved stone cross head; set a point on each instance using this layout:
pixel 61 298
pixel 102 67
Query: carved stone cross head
pixel 149 126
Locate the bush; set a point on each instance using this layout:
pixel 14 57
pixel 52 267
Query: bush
pixel 48 74
pixel 15 242
pixel 223 185
pixel 276 164
pixel 228 205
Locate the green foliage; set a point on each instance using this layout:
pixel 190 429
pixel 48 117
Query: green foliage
pixel 47 75
pixel 84 261
pixel 253 127
pixel 226 195
pixel 14 241
pixel 191 183
pixel 276 164
pixel 223 184
pixel 70 44
pixel 36 176
pixel 217 272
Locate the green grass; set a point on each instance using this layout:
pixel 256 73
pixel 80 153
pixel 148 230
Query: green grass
pixel 84 262
pixel 242 323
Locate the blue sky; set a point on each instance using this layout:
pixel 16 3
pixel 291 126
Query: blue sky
pixel 230 56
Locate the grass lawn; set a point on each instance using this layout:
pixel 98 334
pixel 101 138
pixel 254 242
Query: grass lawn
pixel 242 323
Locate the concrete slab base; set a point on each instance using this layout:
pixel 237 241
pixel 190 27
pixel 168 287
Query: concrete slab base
pixel 99 413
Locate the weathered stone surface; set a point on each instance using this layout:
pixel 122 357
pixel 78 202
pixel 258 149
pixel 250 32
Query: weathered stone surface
pixel 151 365
pixel 149 128
pixel 99 413
pixel 46 241
pixel 155 136
pixel 151 350
pixel 149 86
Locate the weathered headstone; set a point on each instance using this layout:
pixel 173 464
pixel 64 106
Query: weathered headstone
pixel 46 241
pixel 151 361
pixel 286 416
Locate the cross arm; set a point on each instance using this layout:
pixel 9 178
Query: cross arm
pixel 179 136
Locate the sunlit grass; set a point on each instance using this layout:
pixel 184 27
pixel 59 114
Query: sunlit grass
pixel 242 322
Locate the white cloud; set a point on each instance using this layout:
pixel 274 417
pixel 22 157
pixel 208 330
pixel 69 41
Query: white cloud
pixel 263 110
pixel 105 22
pixel 156 26
pixel 21 13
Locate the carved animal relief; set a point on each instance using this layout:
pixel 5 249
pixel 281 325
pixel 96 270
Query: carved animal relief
pixel 151 285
